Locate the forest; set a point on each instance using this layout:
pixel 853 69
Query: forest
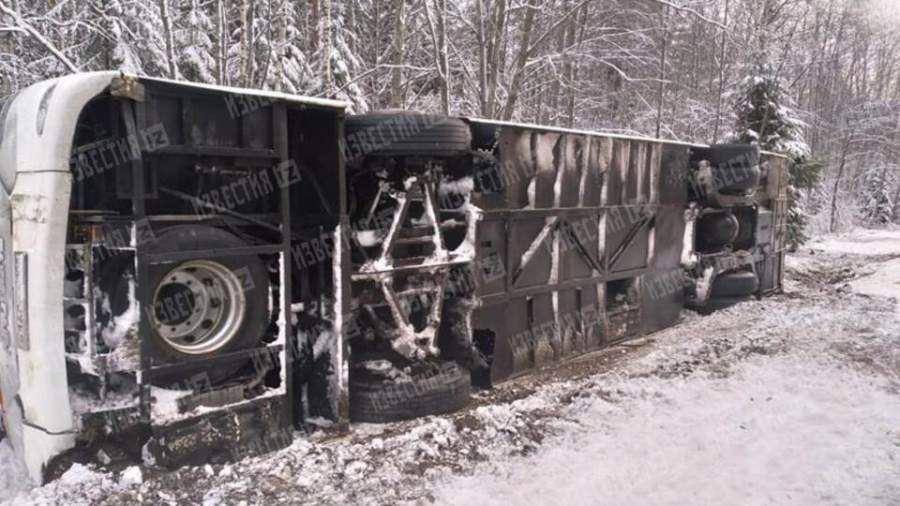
pixel 818 80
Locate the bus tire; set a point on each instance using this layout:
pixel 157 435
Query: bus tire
pixel 206 307
pixel 439 389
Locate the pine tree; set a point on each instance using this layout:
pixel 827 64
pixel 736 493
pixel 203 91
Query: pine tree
pixel 878 202
pixel 805 175
pixel 195 46
pixel 145 23
pixel 764 118
pixel 343 63
pixel 292 72
pixel 121 52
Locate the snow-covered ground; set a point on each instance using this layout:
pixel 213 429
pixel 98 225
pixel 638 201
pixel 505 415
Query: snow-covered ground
pixel 790 400
pixel 881 278
pixel 859 242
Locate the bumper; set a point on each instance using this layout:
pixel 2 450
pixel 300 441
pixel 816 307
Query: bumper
pixel 34 156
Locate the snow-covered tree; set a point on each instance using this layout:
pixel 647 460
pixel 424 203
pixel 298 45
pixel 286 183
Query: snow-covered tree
pixel 148 37
pixel 765 118
pixel 878 200
pixel 121 52
pixel 195 46
pixel 343 64
pixel 292 72
pixel 651 67
pixel 805 176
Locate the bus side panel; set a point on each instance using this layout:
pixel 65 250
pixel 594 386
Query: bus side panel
pixel 663 287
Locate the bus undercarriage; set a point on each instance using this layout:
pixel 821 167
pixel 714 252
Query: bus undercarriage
pixel 192 273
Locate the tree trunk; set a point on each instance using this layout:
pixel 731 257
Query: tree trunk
pixel 316 31
pixel 837 183
pixel 521 60
pixel 222 53
pixel 723 45
pixel 169 39
pixel 328 79
pixel 662 71
pixel 435 16
pixel 280 45
pixel 579 25
pixel 443 54
pixel 495 63
pixel 246 43
pixel 556 89
pixel 481 52
pixel 399 54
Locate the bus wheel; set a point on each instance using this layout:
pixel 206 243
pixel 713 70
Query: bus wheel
pixel 404 133
pixel 430 389
pixel 206 307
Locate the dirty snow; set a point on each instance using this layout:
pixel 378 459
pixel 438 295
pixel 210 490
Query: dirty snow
pixel 83 401
pixel 883 282
pixel 124 325
pixel 165 403
pixel 859 242
pixel 367 238
pixel 13 476
pixel 790 400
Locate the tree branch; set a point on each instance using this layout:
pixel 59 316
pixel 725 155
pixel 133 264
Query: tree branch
pixel 24 26
pixel 692 12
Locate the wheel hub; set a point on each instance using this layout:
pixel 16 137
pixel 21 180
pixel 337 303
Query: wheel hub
pixel 198 307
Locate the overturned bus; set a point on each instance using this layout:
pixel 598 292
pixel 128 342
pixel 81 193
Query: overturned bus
pixel 192 272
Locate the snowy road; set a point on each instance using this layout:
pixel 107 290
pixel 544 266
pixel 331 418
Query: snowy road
pixel 791 400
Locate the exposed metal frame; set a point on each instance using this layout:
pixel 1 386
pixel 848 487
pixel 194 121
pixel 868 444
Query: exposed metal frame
pixel 132 114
